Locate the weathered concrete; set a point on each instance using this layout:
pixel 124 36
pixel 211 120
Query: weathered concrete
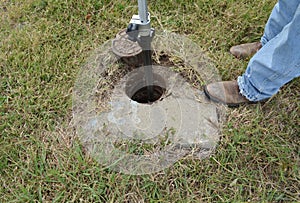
pixel 180 123
pixel 193 122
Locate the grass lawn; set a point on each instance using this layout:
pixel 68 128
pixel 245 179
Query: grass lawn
pixel 44 43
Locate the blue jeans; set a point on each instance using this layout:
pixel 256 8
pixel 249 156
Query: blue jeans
pixel 278 61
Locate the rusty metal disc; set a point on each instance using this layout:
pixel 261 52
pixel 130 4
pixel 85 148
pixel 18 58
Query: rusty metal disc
pixel 123 47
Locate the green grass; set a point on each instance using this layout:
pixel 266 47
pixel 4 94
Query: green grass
pixel 44 43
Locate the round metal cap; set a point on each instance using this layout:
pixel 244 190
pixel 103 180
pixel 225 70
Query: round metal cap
pixel 123 47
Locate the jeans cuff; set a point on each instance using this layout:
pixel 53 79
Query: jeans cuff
pixel 242 86
pixel 263 40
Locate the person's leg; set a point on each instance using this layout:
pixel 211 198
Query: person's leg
pixel 276 63
pixel 282 14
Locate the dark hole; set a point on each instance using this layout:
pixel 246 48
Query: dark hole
pixel 141 96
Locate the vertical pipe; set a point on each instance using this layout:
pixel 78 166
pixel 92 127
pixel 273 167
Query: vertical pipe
pixel 148 74
pixel 146 46
pixel 143 11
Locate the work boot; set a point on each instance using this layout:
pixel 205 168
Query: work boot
pixel 227 92
pixel 245 50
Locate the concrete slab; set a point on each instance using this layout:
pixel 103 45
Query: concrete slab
pixel 181 122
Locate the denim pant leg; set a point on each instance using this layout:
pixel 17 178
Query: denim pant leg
pixel 282 14
pixel 275 64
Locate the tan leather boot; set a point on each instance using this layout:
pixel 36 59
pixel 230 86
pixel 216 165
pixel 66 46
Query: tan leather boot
pixel 245 50
pixel 226 92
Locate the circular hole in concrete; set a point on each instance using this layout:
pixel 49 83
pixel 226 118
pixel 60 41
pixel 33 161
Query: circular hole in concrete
pixel 137 90
pixel 141 96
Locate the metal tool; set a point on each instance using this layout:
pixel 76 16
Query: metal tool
pixel 139 30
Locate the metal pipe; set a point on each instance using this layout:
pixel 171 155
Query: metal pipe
pixel 145 42
pixel 148 74
pixel 143 11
